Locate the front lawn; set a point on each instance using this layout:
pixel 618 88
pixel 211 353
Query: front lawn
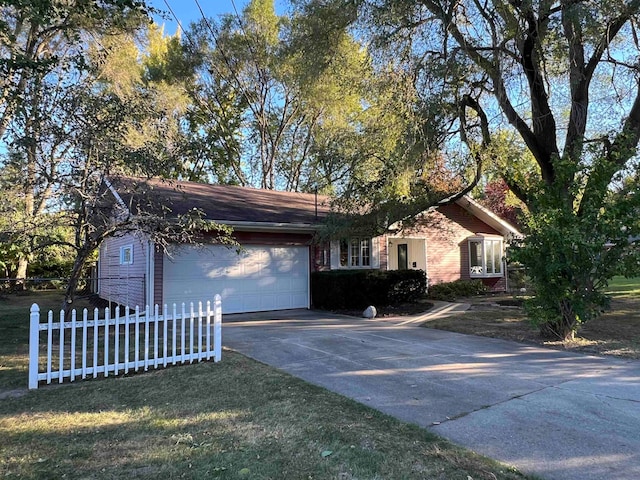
pixel 617 332
pixel 237 419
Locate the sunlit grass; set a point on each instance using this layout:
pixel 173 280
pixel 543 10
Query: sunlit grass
pixel 214 421
pixel 228 420
pixel 621 287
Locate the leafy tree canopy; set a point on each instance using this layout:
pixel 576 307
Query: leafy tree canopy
pixel 560 78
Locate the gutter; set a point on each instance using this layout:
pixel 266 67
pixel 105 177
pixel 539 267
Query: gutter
pixel 116 195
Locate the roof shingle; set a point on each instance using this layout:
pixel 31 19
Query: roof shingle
pixel 224 203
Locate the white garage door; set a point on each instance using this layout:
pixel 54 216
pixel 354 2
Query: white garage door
pixel 257 279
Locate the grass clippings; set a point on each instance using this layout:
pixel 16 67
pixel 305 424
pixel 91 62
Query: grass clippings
pixel 237 419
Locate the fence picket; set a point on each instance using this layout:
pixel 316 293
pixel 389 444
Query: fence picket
pixel 173 340
pixel 127 318
pixel 61 370
pixel 85 315
pixel 137 339
pixel 107 320
pixel 72 350
pixel 146 338
pixel 117 362
pixel 96 335
pixel 191 334
pixel 217 328
pixel 165 316
pixel 116 341
pixel 199 330
pixel 49 345
pixel 208 334
pixel 155 336
pixel 183 335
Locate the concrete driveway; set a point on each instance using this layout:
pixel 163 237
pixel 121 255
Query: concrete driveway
pixel 555 414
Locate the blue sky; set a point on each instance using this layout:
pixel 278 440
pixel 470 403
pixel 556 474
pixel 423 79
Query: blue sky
pixel 187 10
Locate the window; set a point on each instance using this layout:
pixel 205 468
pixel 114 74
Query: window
pixel 322 256
pixel 126 255
pixel 485 257
pixel 355 252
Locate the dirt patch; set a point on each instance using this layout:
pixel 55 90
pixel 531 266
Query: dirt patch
pixel 17 393
pixel 617 332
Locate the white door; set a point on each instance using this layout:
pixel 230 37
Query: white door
pixel 259 278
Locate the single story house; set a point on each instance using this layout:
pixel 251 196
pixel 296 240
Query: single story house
pixel 277 233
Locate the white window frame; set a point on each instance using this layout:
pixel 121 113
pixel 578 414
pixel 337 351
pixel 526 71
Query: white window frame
pixel 359 252
pixel 487 269
pixel 123 255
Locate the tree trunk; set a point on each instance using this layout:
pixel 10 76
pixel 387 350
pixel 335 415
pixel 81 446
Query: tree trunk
pixel 564 328
pixel 21 274
pixel 74 279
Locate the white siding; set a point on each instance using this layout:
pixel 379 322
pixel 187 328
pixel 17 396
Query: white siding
pixel 123 284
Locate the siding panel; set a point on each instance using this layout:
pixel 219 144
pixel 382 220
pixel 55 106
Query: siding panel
pixel 123 284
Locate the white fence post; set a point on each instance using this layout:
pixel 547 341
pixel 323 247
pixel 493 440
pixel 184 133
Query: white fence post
pixel 34 344
pixel 217 328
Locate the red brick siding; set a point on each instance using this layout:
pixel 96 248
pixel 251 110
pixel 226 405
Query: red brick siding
pixel 447 230
pixel 317 252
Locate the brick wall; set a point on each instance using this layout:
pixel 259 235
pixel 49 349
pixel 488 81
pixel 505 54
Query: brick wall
pixel 447 231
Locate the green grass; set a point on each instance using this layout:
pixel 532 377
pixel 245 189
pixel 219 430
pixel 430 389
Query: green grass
pixel 621 287
pixel 229 420
pixel 14 333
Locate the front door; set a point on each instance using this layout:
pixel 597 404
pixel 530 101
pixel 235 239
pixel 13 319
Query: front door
pixel 402 256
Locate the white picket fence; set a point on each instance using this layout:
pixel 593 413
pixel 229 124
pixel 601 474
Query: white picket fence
pixel 118 344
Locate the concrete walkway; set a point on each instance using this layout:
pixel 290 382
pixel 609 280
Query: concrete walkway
pixel 555 414
pixel 439 310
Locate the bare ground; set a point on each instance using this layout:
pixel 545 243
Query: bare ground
pixel 616 333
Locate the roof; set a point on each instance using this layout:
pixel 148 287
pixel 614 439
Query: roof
pixel 252 208
pixel 228 204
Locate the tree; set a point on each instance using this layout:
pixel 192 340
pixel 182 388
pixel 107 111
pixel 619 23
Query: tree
pixel 41 51
pixel 539 69
pixel 123 122
pixel 498 198
pixel 101 109
pixel 36 38
pixel 259 68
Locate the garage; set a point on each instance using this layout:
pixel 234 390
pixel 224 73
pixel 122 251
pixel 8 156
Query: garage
pixel 258 278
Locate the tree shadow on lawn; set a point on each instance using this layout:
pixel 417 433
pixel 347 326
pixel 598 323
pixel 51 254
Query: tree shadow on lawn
pixel 616 332
pixel 237 418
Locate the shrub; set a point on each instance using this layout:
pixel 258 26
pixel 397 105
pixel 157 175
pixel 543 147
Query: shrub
pixel 450 291
pixel 359 288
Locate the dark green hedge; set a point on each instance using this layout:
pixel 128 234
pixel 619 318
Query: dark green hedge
pixel 451 291
pixel 359 288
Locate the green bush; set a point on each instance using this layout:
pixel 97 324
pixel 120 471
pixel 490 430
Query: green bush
pixel 359 288
pixel 450 291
